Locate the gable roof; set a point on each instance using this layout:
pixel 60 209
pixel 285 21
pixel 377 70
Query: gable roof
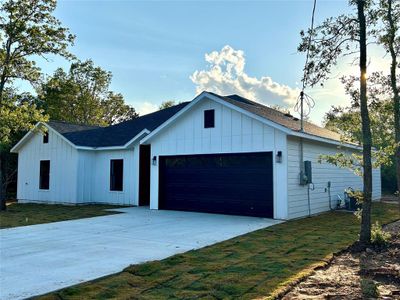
pixel 119 135
pixel 115 135
pixel 267 115
pixel 279 117
pixel 123 134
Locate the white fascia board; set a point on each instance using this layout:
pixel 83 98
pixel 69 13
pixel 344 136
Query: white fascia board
pixel 324 140
pixel 249 114
pixel 137 137
pixel 220 101
pixel 22 141
pixel 26 137
pixel 173 118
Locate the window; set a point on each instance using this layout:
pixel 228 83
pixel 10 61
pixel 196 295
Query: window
pixel 46 137
pixel 116 174
pixel 44 181
pixel 209 118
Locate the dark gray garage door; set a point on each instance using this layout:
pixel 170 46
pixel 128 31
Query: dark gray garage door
pixel 239 183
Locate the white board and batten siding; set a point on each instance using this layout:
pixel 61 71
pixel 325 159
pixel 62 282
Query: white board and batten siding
pixel 340 178
pixel 94 177
pixel 234 132
pixel 63 170
pixel 76 176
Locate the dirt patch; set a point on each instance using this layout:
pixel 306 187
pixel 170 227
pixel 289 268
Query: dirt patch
pixel 372 274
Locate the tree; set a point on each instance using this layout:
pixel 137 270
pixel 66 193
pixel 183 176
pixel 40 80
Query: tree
pixel 82 96
pixel 17 116
pixel 389 38
pixel 27 30
pixel 347 122
pixel 167 104
pixel 115 110
pixel 331 40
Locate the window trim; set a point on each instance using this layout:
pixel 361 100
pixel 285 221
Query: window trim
pixel 209 113
pixel 112 187
pixel 41 186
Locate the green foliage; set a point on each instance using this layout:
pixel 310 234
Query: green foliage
pixel 347 122
pixel 28 30
pixel 115 110
pixel 82 96
pixel 379 237
pixel 167 104
pixel 369 289
pixel 16 117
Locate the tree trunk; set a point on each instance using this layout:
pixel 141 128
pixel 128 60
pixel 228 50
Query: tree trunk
pixel 2 184
pixel 365 231
pixel 396 96
pixel 3 77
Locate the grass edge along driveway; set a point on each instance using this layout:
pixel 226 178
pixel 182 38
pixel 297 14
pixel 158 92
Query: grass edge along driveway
pixel 24 214
pixel 255 265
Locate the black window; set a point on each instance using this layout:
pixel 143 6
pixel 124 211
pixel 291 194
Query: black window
pixel 209 118
pixel 44 181
pixel 46 137
pixel 116 174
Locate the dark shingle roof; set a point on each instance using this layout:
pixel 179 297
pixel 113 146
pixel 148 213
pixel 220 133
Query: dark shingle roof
pixel 120 134
pixel 115 135
pixel 278 117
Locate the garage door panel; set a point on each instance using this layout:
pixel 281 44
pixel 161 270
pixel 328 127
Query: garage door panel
pixel 220 183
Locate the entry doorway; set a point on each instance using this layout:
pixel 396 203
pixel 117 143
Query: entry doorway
pixel 144 175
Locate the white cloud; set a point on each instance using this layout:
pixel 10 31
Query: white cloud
pixel 144 108
pixel 226 75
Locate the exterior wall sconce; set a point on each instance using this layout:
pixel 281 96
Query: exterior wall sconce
pixel 279 157
pixel 154 161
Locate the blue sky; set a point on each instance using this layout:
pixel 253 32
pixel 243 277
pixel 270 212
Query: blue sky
pixel 153 48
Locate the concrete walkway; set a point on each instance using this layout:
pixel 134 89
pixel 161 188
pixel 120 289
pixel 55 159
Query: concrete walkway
pixel 41 258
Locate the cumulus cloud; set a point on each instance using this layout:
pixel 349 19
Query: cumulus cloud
pixel 225 75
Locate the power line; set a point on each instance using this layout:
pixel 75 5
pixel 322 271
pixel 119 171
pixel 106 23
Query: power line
pixel 303 97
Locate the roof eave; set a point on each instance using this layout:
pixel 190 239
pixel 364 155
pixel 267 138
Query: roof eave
pixel 127 145
pixel 323 140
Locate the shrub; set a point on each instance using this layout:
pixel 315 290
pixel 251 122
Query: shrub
pixel 369 289
pixel 379 237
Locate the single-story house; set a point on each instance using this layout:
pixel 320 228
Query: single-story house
pixel 217 154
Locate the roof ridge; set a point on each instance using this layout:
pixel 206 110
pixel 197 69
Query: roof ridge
pixel 76 124
pixel 279 117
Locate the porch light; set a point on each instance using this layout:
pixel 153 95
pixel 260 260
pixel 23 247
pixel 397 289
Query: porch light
pixel 154 160
pixel 279 157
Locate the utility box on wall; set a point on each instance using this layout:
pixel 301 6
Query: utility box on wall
pixel 308 171
pixel 306 175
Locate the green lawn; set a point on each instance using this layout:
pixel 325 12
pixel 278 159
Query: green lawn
pixel 29 214
pixel 254 265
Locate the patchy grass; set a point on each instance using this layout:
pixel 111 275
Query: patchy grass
pixel 251 266
pixel 30 214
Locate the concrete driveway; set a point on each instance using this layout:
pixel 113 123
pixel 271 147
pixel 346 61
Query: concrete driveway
pixel 41 258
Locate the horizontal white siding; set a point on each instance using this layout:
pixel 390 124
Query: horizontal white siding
pixel 63 170
pixel 234 132
pixel 340 178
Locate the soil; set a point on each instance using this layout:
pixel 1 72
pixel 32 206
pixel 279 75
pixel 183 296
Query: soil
pixel 371 274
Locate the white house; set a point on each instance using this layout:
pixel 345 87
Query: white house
pixel 218 154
